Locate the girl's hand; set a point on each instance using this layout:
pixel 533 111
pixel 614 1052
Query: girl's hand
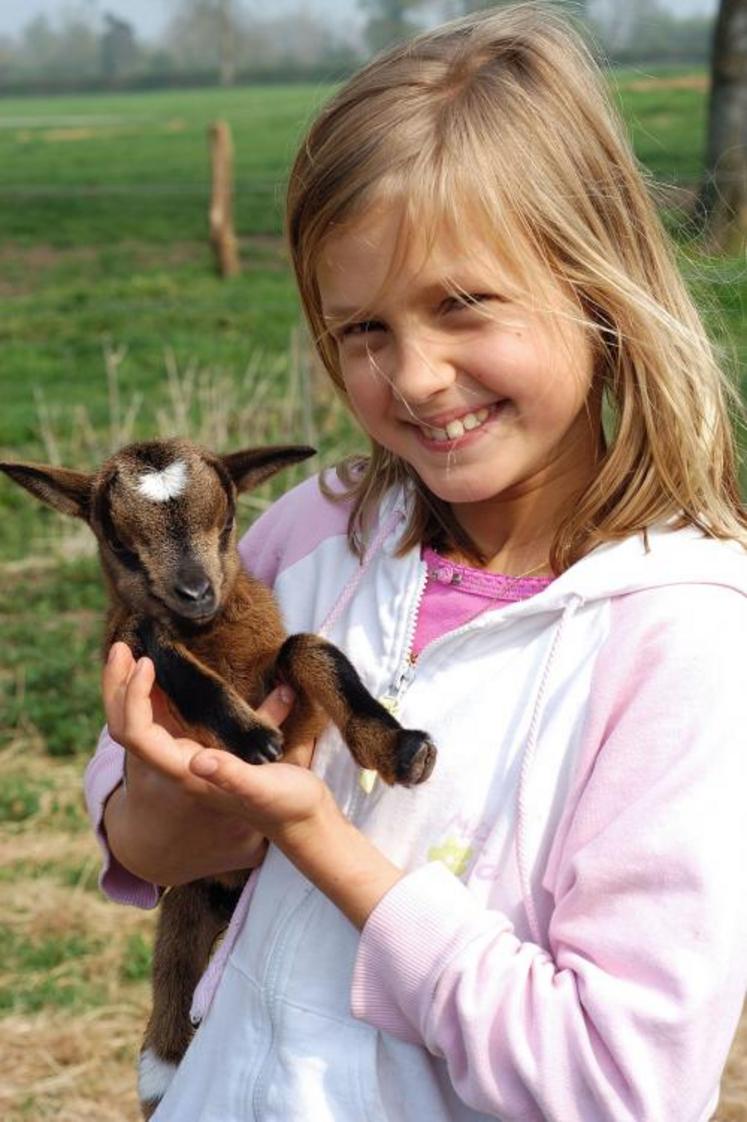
pixel 168 825
pixel 191 794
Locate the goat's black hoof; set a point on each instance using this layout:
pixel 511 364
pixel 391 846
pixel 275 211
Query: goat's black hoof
pixel 262 745
pixel 415 757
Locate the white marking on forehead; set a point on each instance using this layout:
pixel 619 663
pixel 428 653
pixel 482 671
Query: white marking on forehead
pixel 160 486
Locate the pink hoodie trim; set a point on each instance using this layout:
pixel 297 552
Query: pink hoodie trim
pixel 103 776
pixel 293 528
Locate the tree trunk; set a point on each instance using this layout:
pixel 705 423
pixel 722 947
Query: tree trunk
pixel 722 203
pixel 227 53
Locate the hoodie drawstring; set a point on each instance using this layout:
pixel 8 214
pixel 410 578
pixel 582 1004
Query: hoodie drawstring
pixel 346 595
pixel 529 753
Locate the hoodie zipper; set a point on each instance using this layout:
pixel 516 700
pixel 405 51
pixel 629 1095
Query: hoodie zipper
pixel 406 669
pixel 391 698
pixel 401 682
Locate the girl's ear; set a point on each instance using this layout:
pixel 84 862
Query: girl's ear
pixel 253 466
pixel 66 491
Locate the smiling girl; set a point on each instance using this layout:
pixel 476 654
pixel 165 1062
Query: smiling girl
pixel 541 561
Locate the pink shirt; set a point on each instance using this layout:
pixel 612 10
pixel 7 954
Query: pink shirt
pixel 455 594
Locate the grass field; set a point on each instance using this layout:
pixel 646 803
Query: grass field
pixel 104 266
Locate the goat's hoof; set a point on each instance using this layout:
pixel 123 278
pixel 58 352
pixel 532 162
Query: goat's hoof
pixel 415 757
pixel 262 745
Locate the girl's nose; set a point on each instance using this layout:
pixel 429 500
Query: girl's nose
pixel 422 370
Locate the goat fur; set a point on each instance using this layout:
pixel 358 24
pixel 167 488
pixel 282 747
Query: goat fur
pixel 163 513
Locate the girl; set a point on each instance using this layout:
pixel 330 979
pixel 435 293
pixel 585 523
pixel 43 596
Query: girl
pixel 541 562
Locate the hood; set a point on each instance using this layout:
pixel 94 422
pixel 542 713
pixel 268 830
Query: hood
pixel 664 556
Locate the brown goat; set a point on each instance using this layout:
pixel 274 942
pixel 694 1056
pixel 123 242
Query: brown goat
pixel 163 513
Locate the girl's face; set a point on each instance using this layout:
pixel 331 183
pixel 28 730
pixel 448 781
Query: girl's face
pixel 483 397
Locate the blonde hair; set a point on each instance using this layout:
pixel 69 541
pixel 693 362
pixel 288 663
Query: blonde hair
pixel 504 117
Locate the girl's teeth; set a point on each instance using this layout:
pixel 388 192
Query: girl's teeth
pixel 455 429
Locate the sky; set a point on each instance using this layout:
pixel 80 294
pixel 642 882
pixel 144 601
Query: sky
pixel 149 16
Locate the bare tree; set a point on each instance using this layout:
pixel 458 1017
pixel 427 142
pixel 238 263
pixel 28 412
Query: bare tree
pixel 207 31
pixel 722 203
pixel 577 8
pixel 389 21
pixel 118 46
pixel 227 42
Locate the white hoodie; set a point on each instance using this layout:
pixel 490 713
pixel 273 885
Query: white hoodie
pixel 570 942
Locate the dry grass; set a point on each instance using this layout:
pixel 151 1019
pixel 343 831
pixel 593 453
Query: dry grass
pixel 75 1062
pixel 71 1069
pixel 699 82
pixel 733 1105
pixel 212 406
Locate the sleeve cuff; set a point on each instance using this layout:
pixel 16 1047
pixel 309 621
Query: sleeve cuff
pixel 103 774
pixel 407 942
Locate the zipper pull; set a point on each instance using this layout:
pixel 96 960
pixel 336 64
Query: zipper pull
pixel 390 701
pixel 367 776
pixel 367 780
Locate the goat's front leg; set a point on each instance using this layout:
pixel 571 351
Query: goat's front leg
pixel 206 702
pixel 318 670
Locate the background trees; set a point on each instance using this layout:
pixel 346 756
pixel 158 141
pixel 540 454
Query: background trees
pixel 722 204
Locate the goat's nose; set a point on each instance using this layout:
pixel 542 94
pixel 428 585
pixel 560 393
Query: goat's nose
pixel 194 588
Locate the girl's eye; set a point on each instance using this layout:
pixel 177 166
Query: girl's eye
pixel 467 300
pixel 364 327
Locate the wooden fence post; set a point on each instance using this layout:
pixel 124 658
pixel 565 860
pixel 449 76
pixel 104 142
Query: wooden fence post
pixel 222 233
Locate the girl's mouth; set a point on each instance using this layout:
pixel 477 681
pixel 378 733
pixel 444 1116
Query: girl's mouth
pixel 457 429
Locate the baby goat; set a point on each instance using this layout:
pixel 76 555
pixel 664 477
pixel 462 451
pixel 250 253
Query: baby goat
pixel 164 516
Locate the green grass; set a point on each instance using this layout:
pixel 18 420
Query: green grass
pixel 96 169
pixel 52 335
pixel 102 238
pixel 666 124
pixel 49 680
pixel 49 971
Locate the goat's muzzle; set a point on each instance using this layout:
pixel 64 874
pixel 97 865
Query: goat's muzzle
pixel 193 593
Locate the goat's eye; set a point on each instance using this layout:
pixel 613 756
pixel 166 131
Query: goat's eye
pixel 127 556
pixel 117 545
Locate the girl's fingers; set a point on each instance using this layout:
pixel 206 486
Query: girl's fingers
pixel 277 705
pixel 142 736
pixel 276 798
pixel 129 693
pixel 301 755
pixel 116 673
pixel 166 714
pixel 253 785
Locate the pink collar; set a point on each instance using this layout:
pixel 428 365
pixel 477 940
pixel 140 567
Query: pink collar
pixel 480 582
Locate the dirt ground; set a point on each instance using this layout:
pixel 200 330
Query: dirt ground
pixel 733 1105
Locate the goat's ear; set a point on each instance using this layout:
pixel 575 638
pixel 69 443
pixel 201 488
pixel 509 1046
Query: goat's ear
pixel 66 491
pixel 253 466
